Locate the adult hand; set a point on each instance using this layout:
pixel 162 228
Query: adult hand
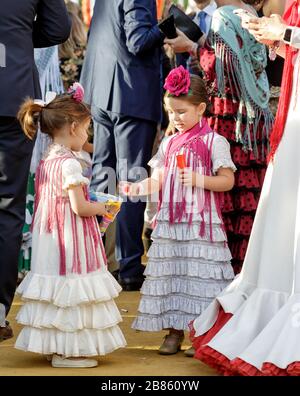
pixel 268 43
pixel 181 43
pixel 202 40
pixel 270 29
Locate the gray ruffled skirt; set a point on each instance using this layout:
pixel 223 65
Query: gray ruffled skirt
pixel 185 272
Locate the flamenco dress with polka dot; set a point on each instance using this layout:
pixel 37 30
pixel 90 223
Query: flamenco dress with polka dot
pixel 240 203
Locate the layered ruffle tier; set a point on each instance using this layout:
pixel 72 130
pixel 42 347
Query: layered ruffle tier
pixel 71 316
pixel 185 272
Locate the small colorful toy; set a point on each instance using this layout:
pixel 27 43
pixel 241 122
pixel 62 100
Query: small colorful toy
pixel 114 204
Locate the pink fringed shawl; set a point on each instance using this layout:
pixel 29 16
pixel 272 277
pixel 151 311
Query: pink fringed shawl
pixel 49 193
pixel 197 152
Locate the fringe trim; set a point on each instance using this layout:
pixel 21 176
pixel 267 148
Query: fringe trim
pixel 247 107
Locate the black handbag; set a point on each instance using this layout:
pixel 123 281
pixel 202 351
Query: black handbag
pixel 184 23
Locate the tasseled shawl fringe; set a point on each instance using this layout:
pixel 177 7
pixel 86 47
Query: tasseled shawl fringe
pixel 253 113
pixel 198 158
pixel 49 193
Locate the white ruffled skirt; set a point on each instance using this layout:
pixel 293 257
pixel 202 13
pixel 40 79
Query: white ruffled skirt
pixel 70 316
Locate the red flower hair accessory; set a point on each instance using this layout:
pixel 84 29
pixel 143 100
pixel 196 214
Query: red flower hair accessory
pixel 178 82
pixel 77 92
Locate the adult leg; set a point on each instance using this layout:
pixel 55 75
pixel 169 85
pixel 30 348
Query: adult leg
pixel 15 156
pixel 104 174
pixel 110 245
pixel 134 141
pixel 104 157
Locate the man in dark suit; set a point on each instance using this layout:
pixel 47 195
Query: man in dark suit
pixel 24 25
pixel 121 77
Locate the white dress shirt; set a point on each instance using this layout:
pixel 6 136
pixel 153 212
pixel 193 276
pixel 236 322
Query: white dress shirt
pixel 210 9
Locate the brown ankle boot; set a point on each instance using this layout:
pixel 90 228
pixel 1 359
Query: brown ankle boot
pixel 172 344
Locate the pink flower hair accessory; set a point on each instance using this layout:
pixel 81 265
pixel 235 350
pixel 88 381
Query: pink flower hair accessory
pixel 178 82
pixel 77 92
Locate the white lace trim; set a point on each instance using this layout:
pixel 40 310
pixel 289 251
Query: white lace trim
pixel 164 249
pixel 223 163
pixel 221 156
pixel 174 320
pixel 204 288
pixel 195 268
pixel 163 215
pixel 173 302
pixel 184 232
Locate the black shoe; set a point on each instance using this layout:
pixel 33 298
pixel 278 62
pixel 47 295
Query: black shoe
pixel 133 285
pixel 6 332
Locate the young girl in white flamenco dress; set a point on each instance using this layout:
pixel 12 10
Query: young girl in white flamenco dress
pixel 69 312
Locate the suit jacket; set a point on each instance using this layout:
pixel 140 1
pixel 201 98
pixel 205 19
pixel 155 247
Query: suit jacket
pixel 121 72
pixel 25 24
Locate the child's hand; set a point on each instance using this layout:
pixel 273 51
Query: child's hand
pixel 130 189
pixel 189 178
pixel 103 209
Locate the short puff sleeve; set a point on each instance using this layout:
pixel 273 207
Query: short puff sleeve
pixel 221 157
pixel 72 174
pixel 158 160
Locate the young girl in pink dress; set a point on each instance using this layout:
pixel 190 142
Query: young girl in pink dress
pixel 69 311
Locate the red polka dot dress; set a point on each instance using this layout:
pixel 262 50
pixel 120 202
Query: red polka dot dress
pixel 240 203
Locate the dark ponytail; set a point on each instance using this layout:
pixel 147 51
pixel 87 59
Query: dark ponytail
pixel 28 117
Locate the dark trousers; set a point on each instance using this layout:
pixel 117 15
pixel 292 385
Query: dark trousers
pixel 15 156
pixel 123 144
